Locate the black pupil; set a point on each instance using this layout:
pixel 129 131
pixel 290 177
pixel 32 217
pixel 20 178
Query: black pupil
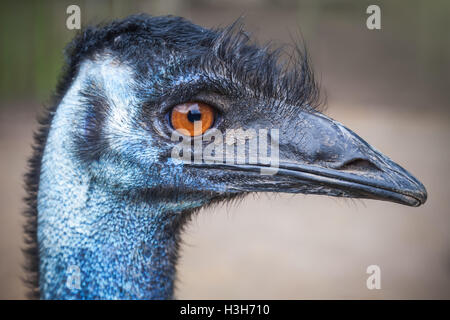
pixel 194 115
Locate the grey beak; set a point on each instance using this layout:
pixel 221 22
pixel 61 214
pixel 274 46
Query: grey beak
pixel 318 155
pixel 334 156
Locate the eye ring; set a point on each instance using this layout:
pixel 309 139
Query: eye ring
pixel 192 118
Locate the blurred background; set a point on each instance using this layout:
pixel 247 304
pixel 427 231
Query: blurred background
pixel 391 86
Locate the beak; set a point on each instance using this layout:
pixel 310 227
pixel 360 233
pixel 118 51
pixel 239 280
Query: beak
pixel 318 155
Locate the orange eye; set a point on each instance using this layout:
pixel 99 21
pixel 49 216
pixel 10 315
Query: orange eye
pixel 192 118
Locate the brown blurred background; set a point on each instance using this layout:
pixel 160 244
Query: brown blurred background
pixel 389 85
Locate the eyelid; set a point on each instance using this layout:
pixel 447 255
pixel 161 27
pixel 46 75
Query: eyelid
pixel 213 99
pixel 200 98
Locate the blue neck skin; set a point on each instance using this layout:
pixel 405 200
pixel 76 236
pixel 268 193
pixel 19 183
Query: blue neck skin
pixel 95 242
pixel 98 246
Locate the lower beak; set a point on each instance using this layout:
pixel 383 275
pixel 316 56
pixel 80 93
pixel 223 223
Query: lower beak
pixel 397 186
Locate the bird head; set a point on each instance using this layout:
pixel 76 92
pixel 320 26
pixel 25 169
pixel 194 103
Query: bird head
pixel 167 107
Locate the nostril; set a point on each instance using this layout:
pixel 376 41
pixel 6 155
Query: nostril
pixel 359 165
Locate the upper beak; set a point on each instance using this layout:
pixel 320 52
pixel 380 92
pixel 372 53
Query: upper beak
pixel 334 156
pixel 319 155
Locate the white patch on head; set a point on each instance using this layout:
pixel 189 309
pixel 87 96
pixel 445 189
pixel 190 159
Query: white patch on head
pixel 116 80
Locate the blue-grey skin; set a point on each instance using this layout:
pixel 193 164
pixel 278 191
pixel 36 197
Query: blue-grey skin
pixel 117 218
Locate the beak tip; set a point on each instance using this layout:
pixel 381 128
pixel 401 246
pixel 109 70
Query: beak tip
pixel 419 195
pixel 423 195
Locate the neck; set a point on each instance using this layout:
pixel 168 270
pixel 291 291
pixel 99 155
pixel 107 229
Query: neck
pixel 95 245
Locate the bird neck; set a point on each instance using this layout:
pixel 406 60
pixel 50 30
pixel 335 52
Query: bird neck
pixel 94 245
pixel 96 242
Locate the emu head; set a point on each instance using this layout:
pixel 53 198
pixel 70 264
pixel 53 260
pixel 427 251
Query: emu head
pixel 144 81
